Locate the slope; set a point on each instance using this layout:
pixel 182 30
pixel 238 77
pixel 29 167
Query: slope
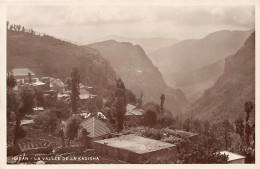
pixel 139 74
pixel 225 100
pixel 48 56
pixel 188 55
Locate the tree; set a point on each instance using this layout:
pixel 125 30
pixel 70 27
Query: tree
pixel 18 27
pixel 26 104
pixel 162 102
pixel 11 27
pixel 151 110
pixel 248 109
pixel 84 134
pixel 140 101
pixel 11 81
pixel 239 128
pixel 72 128
pixel 23 29
pixel 226 128
pixel 12 102
pixel 75 79
pixel 118 106
pixel 68 83
pixel 196 152
pixel 30 78
pixel 39 97
pixel 186 124
pixel 7 24
pixel 130 97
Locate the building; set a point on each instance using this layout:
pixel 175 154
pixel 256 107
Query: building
pixel 97 130
pixel 234 158
pixel 134 116
pixel 22 73
pixel 134 149
pixel 57 85
pixel 130 107
pixel 22 77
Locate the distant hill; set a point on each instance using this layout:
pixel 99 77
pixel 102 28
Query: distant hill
pixel 139 74
pixel 195 82
pixel 225 100
pixel 148 44
pixel 48 56
pixel 188 55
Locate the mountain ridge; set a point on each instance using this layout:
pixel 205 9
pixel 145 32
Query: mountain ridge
pixel 139 74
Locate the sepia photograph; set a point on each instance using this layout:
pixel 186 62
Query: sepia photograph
pixel 130 84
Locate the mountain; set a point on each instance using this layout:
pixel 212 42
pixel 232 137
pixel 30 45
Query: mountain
pixel 148 44
pixel 48 56
pixel 226 99
pixel 139 74
pixel 193 83
pixel 185 56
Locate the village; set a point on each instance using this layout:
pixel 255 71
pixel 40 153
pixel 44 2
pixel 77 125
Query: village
pixel 52 129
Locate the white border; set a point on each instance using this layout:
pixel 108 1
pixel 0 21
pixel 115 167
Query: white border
pixel 5 3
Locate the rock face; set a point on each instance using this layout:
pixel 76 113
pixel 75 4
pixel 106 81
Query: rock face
pixel 226 99
pixel 139 74
pixel 188 55
pixel 148 44
pixel 194 83
pixel 47 56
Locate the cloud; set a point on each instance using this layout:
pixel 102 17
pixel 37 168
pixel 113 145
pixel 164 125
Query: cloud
pixel 84 22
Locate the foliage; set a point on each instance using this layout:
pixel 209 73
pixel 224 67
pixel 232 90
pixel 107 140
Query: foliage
pixel 151 110
pixel 116 113
pixel 40 102
pixel 11 81
pixel 75 79
pixel 152 133
pixel 12 102
pixel 140 101
pixel 130 97
pixel 72 128
pixel 222 131
pixel 68 83
pixel 196 152
pixel 27 96
pixel 47 121
pixel 246 132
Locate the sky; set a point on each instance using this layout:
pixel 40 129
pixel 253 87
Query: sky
pixel 85 24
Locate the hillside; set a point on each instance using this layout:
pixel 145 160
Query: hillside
pixel 139 74
pixel 48 56
pixel 148 44
pixel 225 100
pixel 195 82
pixel 188 55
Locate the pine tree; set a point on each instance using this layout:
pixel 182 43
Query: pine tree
pixel 75 79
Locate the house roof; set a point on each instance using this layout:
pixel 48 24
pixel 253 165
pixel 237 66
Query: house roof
pixel 136 143
pixel 57 82
pixel 130 107
pixel 22 72
pixel 134 112
pixel 232 156
pixel 84 91
pixel 95 126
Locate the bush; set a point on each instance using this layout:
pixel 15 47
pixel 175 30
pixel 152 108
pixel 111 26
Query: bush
pixel 13 151
pixel 47 121
pixel 72 128
pixel 152 133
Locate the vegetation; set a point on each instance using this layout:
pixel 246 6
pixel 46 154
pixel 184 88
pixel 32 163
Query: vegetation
pixel 116 105
pixel 72 128
pixel 26 103
pixel 75 79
